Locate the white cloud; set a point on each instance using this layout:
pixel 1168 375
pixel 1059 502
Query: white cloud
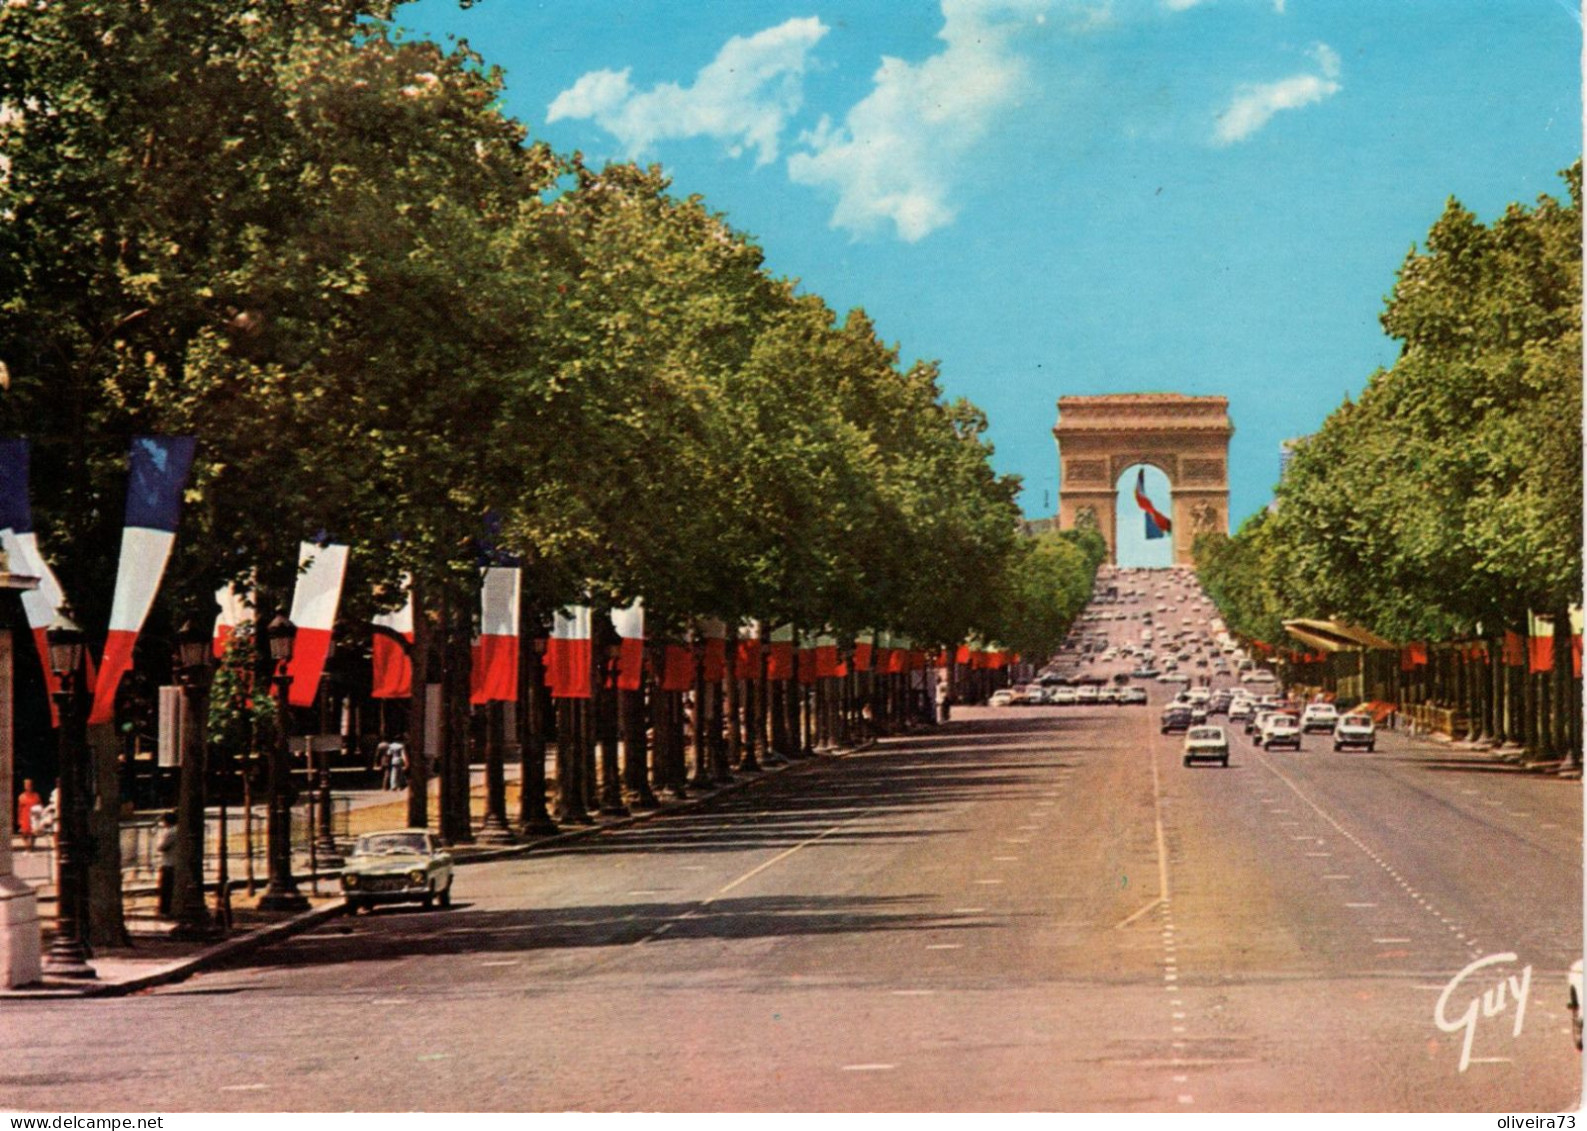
pixel 1254 105
pixel 894 157
pixel 744 97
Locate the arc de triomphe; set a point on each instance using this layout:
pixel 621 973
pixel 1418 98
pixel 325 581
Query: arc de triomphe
pixel 1184 437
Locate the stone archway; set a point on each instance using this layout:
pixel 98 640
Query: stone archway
pixel 1184 437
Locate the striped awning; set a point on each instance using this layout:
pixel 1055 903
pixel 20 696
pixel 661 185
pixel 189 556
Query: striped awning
pixel 1334 636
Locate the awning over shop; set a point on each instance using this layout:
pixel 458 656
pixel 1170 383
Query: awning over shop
pixel 1333 636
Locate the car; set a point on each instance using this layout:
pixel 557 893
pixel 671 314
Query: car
pixel 1175 716
pixel 1065 696
pixel 1355 730
pixel 1108 695
pixel 1206 744
pixel 1241 709
pixel 1087 693
pixel 1198 714
pixel 1573 1001
pixel 1001 698
pixel 397 866
pixel 1319 716
pixel 1174 677
pixel 1281 729
pixel 1258 675
pixel 1132 696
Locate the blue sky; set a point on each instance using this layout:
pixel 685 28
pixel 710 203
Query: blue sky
pixel 1062 197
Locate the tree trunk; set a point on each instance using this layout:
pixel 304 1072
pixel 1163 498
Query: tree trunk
pixel 534 704
pixel 418 710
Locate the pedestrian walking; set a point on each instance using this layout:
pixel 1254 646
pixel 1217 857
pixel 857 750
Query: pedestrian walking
pixel 165 845
pixel 397 764
pixel 27 802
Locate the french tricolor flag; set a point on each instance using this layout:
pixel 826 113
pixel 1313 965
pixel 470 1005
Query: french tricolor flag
pixel 236 609
pixel 715 633
pixel 157 473
pixel 389 652
pixel 495 672
pixel 22 551
pixel 314 602
pixel 780 653
pixel 630 626
pixel 568 654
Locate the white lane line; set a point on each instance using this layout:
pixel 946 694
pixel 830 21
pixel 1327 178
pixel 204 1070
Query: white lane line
pixel 1336 876
pixel 1363 905
pixel 945 946
pixel 868 1068
pixel 913 993
pixel 508 962
pixel 968 910
pixel 1490 1060
pixel 391 1001
pixel 988 881
pixel 243 1087
pixel 645 891
pixel 1320 855
pixel 1386 941
pixel 693 867
pixel 1005 859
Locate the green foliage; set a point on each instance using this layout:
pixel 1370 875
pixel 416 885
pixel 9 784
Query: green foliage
pixel 1451 492
pixel 237 714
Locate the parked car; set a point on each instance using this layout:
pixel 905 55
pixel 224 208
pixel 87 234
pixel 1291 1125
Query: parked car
pixel 1258 675
pixel 1065 696
pixel 1133 696
pixel 397 866
pixel 1206 744
pixel 1002 697
pixel 1319 716
pixel 1175 716
pixel 1355 730
pixel 1281 729
pixel 1086 693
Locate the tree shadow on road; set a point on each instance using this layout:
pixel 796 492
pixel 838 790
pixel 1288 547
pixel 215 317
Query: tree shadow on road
pixel 396 933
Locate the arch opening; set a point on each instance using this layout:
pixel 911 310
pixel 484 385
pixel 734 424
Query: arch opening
pixel 1134 547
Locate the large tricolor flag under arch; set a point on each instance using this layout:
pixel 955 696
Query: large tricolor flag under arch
pixel 389 648
pixel 1157 523
pixel 157 470
pixel 314 602
pixel 22 552
pixel 495 673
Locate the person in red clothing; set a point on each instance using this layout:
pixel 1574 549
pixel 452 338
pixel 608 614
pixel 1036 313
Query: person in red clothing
pixel 27 801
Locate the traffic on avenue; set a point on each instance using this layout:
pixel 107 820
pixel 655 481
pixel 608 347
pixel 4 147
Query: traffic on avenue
pixel 1147 878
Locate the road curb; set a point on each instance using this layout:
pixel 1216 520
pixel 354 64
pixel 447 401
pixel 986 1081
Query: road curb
pixel 255 940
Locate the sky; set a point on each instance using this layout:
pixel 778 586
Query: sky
pixel 1073 197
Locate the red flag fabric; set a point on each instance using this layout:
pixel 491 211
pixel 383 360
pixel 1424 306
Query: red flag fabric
pixel 863 655
pixel 568 654
pixel 749 657
pixel 780 654
pixel 630 625
pixel 1575 655
pixel 962 655
pixel 677 669
pixel 1514 649
pixel 1540 651
pixel 494 675
pixel 826 657
pixel 715 649
pixel 1413 656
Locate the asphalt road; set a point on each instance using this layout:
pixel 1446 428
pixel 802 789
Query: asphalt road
pixel 1031 909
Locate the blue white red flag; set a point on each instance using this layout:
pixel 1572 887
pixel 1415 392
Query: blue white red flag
pixel 495 670
pixel 157 468
pixel 314 602
pixel 389 651
pixel 22 552
pixel 1157 523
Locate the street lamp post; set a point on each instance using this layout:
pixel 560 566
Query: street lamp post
pixel 325 850
pixel 187 897
pixel 68 953
pixel 607 727
pixel 281 892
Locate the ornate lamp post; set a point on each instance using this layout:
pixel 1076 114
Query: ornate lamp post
pixel 193 673
pixel 68 953
pixel 281 893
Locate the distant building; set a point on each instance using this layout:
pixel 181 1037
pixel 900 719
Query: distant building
pixel 1031 527
pixel 1286 455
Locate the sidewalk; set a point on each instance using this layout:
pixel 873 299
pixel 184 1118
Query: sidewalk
pixel 156 959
